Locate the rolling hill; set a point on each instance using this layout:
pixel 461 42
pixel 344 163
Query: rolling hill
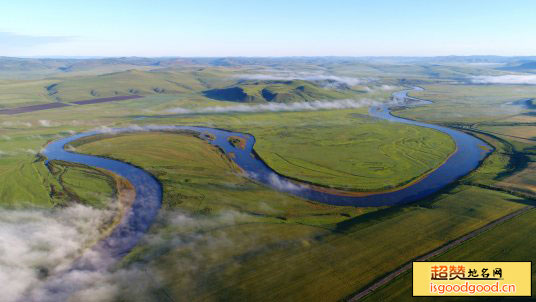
pixel 523 67
pixel 136 82
pixel 123 83
pixel 276 91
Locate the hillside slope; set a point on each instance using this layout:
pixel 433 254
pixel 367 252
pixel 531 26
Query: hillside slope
pixel 276 91
pixel 124 83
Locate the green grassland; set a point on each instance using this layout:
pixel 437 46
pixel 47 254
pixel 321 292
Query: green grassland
pixel 350 153
pixel 23 93
pixel 276 246
pixel 33 184
pixel 469 104
pixel 26 184
pixel 124 83
pixel 82 184
pixel 511 241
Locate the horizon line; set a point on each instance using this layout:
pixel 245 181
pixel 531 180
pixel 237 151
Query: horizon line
pixel 82 57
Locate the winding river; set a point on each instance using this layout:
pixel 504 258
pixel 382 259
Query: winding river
pixel 470 152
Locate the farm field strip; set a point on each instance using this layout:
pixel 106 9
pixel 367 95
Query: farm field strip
pixel 385 280
pixel 33 108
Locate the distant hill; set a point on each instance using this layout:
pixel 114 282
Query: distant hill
pixel 523 67
pixel 275 91
pixel 26 68
pixel 131 82
pixel 66 65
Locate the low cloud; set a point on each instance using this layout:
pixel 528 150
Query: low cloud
pixel 35 244
pixel 280 107
pixel 67 132
pixel 283 184
pixel 31 151
pixel 46 123
pixel 505 79
pixel 378 88
pixel 129 284
pixel 312 77
pixel 388 87
pixel 131 128
pixel 277 182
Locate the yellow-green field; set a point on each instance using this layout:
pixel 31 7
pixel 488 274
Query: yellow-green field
pixel 523 133
pixel 511 241
pixel 469 103
pixel 524 180
pixel 24 93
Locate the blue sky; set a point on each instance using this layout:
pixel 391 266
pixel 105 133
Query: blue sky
pixel 267 28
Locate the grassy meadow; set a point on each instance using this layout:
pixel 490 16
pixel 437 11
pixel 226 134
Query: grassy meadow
pixel 36 185
pixel 23 93
pixel 511 241
pixel 351 153
pixel 470 104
